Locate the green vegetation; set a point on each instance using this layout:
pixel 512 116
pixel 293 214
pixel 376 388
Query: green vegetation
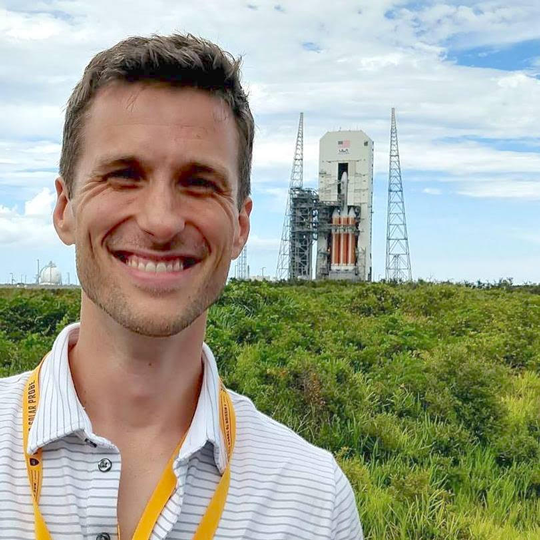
pixel 429 395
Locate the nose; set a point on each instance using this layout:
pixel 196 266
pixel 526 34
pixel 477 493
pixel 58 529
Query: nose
pixel 159 213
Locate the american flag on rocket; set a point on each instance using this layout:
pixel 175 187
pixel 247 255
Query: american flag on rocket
pixel 344 144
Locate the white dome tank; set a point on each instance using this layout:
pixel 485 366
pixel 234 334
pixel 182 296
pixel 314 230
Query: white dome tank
pixel 50 275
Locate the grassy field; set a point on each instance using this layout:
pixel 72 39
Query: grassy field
pixel 428 394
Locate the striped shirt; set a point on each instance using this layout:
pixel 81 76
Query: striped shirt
pixel 281 487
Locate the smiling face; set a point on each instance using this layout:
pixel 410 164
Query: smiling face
pixel 154 213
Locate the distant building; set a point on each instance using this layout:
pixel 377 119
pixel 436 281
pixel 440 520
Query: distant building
pixel 50 275
pixel 262 278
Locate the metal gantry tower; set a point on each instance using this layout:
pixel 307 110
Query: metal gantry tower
pixel 286 267
pixel 398 259
pixel 303 211
pixel 241 265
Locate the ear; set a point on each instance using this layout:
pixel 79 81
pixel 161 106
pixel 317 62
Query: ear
pixel 243 227
pixel 63 217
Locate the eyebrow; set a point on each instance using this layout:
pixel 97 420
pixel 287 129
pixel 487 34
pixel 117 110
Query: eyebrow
pixel 129 160
pixel 113 162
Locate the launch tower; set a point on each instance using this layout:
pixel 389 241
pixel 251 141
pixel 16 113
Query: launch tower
pixel 398 259
pixel 242 265
pixel 296 248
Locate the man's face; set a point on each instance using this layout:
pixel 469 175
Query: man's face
pixel 153 213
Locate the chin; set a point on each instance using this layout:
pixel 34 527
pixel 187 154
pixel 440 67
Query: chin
pixel 155 329
pixel 155 318
pixel 151 313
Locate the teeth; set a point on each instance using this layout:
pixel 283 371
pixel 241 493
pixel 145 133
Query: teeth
pixel 144 265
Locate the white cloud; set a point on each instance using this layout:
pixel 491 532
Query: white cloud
pixel 488 22
pixel 19 26
pixel 31 121
pixel 256 243
pixel 31 228
pixel 464 158
pixel 346 84
pixel 432 191
pixel 41 205
pixel 529 191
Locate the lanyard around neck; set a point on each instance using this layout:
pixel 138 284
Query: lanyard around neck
pixel 165 487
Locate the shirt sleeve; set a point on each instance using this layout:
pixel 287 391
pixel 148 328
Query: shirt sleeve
pixel 345 519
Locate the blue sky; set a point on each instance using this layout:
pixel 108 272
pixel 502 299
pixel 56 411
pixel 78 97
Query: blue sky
pixel 509 57
pixel 464 78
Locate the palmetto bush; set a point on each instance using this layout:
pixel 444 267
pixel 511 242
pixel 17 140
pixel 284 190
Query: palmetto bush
pixel 427 394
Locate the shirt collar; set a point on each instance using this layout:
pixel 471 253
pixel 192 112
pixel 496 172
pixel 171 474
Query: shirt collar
pixel 60 412
pixel 205 425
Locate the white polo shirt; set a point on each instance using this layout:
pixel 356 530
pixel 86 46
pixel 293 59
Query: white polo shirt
pixel 282 487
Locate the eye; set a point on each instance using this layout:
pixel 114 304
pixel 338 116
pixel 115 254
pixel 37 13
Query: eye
pixel 124 177
pixel 124 173
pixel 203 184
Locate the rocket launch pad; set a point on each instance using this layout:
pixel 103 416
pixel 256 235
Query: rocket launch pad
pixel 345 206
pixel 337 215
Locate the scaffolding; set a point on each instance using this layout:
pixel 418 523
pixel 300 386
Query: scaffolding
pixel 286 251
pixel 303 228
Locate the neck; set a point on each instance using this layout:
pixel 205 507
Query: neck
pixel 151 384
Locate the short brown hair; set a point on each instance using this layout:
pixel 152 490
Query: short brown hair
pixel 178 60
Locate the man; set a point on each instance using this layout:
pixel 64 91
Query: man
pixel 125 428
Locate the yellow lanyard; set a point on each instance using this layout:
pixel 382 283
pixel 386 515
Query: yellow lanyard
pixel 165 487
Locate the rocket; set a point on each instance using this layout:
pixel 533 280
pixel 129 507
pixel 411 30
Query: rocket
pixel 344 244
pixel 343 237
